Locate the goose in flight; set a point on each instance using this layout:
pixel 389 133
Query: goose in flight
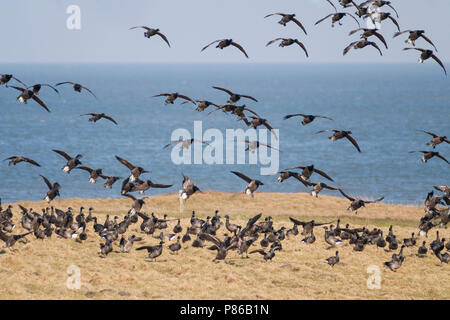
pixel 339 134
pixel 53 191
pixel 253 184
pixel 414 35
pixel 287 42
pixel 185 143
pixel 5 78
pixel 426 54
pixel 336 17
pixel 307 118
pixel 152 32
pixel 427 155
pixel 97 116
pixel 436 139
pixel 361 44
pixel 77 87
pixel 225 43
pixel 235 97
pixel 17 159
pixel 381 16
pixel 357 203
pixel 287 18
pixel 171 97
pixel 71 162
pixel 29 94
pixel 135 171
pixel 368 33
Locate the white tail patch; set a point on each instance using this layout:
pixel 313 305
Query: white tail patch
pixel 66 169
pixel 248 192
pixel 92 180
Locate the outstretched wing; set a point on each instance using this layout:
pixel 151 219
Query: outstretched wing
pixel 242 176
pixel 225 90
pixel 268 126
pixel 272 41
pixel 347 48
pixel 395 22
pixel 439 156
pixel 209 45
pixel 353 141
pixel 440 62
pixel 144 27
pixel 294 115
pixel 158 185
pixel 329 1
pixel 237 45
pixel 345 195
pixel 389 5
pixel 130 196
pixel 186 98
pixel 323 174
pixel 31 161
pixel 272 14
pixel 323 18
pixel 42 104
pixel 62 153
pixel 377 200
pixel 89 90
pixel 297 222
pixel 302 46
pixel 60 83
pixel 348 14
pixel 47 182
pixel 126 163
pixel 400 32
pixel 373 44
pixel 164 38
pixel 429 41
pixel 85 168
pixel 299 24
pixel 110 119
pixel 171 143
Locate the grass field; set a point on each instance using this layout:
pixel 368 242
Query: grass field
pixel 38 269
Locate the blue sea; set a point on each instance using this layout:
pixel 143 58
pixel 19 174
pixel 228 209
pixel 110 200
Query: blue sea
pixel 384 105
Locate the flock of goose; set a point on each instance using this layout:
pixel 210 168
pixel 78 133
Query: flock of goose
pixel 67 224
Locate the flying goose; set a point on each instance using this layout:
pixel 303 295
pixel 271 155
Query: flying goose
pixel 137 203
pixel 436 139
pixel 97 116
pixel 368 33
pixel 379 4
pixel 135 171
pixel 53 190
pixel 339 134
pixel 426 54
pixel 427 155
pixel 333 260
pixel 110 180
pixel 357 203
pixel 381 16
pixel 307 172
pixel 223 43
pixel 319 186
pixel 202 104
pixel 360 45
pixel 29 94
pixel 284 175
pixel 336 17
pixel 151 32
pixel 362 10
pixel 5 78
pixel 287 42
pixel 307 118
pixel 253 145
pixel 94 174
pixel 171 97
pixel 287 18
pixel 143 186
pixel 414 35
pixel 37 87
pixel 17 159
pixel 71 162
pixel 188 188
pixel 253 184
pixel 185 143
pixel 256 122
pixel 235 97
pixel 76 86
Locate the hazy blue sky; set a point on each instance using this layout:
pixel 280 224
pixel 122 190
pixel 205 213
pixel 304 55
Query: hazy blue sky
pixel 35 31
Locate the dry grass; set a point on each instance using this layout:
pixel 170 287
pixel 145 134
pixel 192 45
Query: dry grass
pixel 38 269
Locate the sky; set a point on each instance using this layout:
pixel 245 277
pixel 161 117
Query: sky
pixel 36 31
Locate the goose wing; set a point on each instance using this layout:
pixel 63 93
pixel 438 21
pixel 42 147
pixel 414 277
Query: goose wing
pixel 242 176
pixel 126 163
pixel 274 40
pixel 110 119
pixel 62 153
pixel 440 62
pixel 348 14
pixel 164 38
pixel 237 45
pixel 210 44
pixel 297 22
pixel 395 22
pixel 323 19
pixel 429 41
pixel 47 182
pixel 31 161
pixel 439 156
pixel 373 44
pixel 302 46
pixel 323 174
pixel 143 27
pixel 41 103
pixel 353 141
pixel 347 196
pixel 347 48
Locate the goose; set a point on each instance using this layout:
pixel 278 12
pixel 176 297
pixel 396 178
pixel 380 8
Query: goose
pixel 368 33
pixel 17 159
pixel 83 234
pixel 236 110
pixel 97 226
pixel 256 122
pixel 66 233
pixel 436 139
pixel 53 191
pixel 307 118
pixel 185 143
pixel 137 203
pixel 110 180
pixel 266 255
pixel 253 145
pixel 234 97
pixel 319 186
pixel 152 32
pixel 381 16
pixel 427 155
pixel 230 226
pixel 174 247
pixel 287 18
pixel 393 244
pixel 293 231
pixel 264 242
pixel 166 237
pixel 399 256
pixel 223 43
pixel 252 186
pixel 357 203
pixel 359 244
pixel 196 222
pixel 414 35
pixel 186 237
pixel 379 4
pixel 126 245
pixel 29 94
pixel 10 240
pixel 381 243
pixel 143 186
pixel 71 162
pixel 422 249
pixel 198 242
pixel 284 175
pixel 426 54
pixel 362 10
pixel 134 170
pixel 203 104
pixel 336 17
pixel 153 251
pixel 360 45
pixel 5 78
pixel 330 238
pixel 409 242
pixel 77 87
pixel 340 134
pixel 93 174
pixel 105 248
pixel 171 97
pixel 222 247
pixel 333 260
pixel 307 172
pixel 188 188
pixel 310 239
pixel 285 42
pixel 97 116
pixel 445 257
pixel 178 228
pixel 393 265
